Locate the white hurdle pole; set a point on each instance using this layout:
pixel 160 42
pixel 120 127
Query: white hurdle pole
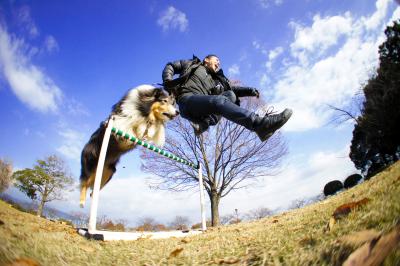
pixel 98 177
pixel 203 213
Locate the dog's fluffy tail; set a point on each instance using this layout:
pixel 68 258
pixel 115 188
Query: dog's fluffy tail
pixel 89 160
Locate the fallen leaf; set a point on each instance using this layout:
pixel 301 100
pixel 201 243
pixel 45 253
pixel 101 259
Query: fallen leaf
pixel 375 251
pixel 86 248
pixel 359 238
pixel 24 262
pixel 274 221
pixel 175 253
pixel 345 209
pixel 185 240
pixel 228 261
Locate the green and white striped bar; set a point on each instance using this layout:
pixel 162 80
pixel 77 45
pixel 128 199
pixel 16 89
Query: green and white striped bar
pixel 153 148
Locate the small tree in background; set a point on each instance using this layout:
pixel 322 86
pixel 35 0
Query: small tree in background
pixel 179 223
pixel 259 213
pixel 47 181
pixel 298 203
pixel 149 224
pixel 6 169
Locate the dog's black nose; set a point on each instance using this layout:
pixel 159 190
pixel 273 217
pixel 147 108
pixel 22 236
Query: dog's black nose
pixel 176 112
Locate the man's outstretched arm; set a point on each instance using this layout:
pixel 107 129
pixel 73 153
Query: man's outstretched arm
pixel 245 91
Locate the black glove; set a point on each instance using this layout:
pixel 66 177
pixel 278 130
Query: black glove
pixel 255 93
pixel 168 83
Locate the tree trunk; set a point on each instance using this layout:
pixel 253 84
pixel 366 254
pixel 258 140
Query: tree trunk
pixel 42 202
pixel 214 199
pixel 40 208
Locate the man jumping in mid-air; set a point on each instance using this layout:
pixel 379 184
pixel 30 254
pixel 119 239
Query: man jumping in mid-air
pixel 204 94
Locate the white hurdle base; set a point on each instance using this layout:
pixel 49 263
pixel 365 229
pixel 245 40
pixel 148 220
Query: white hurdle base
pixel 112 236
pixel 93 233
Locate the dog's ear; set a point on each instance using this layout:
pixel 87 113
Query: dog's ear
pixel 158 92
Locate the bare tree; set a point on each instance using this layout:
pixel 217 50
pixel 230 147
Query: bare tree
pixel 351 112
pixel 6 170
pixel 298 203
pixel 149 224
pixel 232 158
pixel 80 219
pixel 259 213
pixel 179 223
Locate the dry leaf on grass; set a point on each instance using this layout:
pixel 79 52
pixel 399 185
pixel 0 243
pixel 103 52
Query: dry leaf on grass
pixel 175 253
pixel 185 240
pixel 359 238
pixel 374 252
pixel 86 248
pixel 343 210
pixel 230 260
pixel 24 262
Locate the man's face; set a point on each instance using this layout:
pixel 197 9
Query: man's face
pixel 212 63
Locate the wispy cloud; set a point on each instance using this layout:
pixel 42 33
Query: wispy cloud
pixel 29 83
pixel 234 70
pixel 329 61
pixel 302 178
pixel 173 19
pixel 269 3
pixel 72 143
pixel 26 22
pixel 272 55
pixel 51 44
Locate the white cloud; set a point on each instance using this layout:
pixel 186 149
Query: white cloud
pixel 234 70
pixel 29 83
pixel 323 33
pixel 268 3
pixel 258 46
pixel 272 55
pixel 72 143
pixel 172 19
pixel 330 60
pixel 25 20
pixel 297 181
pixel 131 198
pixel 375 20
pixel 51 44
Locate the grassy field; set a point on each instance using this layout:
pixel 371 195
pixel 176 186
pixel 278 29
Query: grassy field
pixel 298 237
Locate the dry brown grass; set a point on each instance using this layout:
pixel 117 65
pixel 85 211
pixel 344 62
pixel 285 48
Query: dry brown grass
pixel 298 237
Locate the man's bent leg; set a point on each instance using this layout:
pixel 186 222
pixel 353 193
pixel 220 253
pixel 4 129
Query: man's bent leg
pixel 194 107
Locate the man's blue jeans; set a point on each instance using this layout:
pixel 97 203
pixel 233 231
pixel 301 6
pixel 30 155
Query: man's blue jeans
pixel 210 108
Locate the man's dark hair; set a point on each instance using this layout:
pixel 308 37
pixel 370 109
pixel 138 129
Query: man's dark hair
pixel 211 55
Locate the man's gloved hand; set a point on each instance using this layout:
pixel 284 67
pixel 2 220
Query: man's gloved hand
pixel 167 83
pixel 255 92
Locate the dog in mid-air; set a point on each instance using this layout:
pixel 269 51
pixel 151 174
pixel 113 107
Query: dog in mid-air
pixel 141 113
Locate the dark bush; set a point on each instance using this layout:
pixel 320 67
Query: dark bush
pixel 332 187
pixel 352 180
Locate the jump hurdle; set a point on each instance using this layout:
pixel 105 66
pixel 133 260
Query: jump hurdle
pixel 93 233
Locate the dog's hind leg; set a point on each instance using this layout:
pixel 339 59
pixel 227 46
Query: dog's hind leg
pixel 84 186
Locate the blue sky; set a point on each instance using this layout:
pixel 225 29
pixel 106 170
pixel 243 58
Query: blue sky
pixel 63 64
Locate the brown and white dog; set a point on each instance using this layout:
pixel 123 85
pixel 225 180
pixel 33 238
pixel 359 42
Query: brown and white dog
pixel 141 113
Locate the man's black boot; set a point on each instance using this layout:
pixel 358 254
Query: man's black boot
pixel 271 123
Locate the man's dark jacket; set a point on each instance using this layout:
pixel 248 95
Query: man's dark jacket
pixel 195 78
